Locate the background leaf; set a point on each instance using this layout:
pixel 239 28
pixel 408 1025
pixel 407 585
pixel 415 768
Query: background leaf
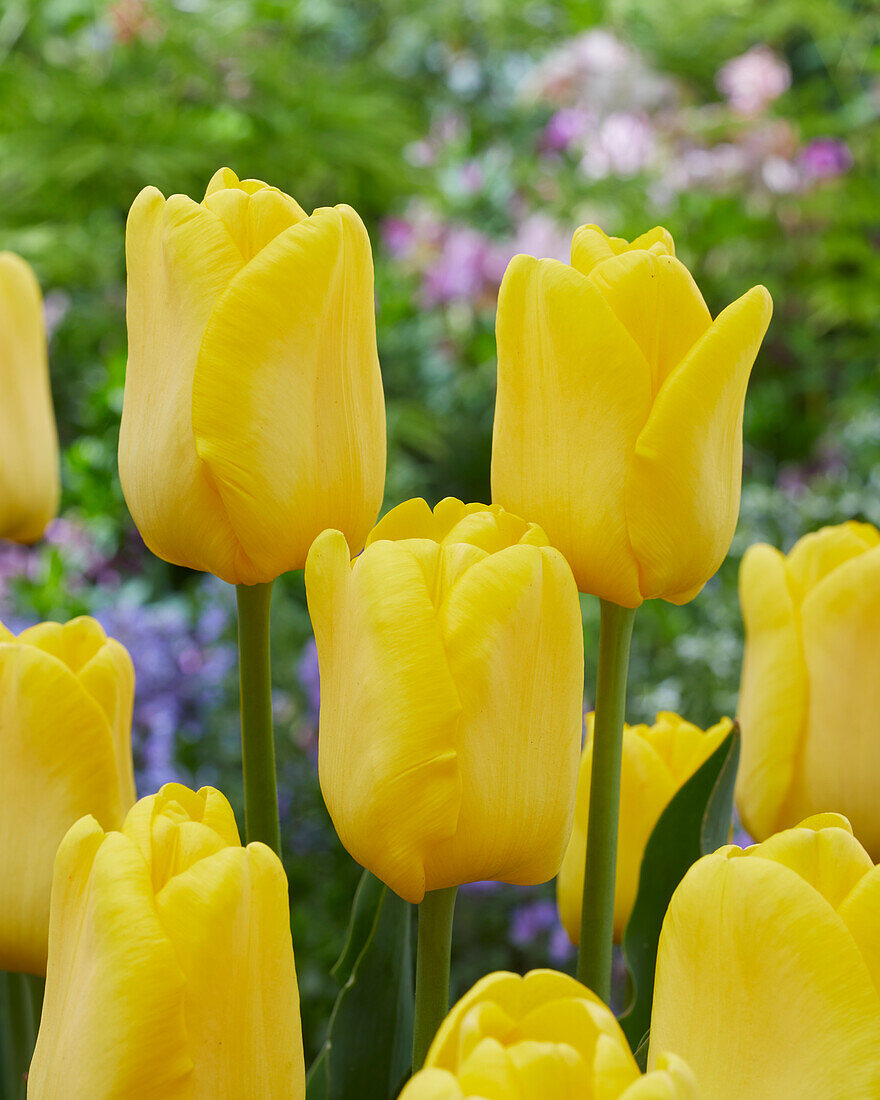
pixel 696 822
pixel 368 1050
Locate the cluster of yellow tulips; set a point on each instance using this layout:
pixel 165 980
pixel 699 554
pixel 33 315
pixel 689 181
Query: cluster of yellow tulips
pixel 450 645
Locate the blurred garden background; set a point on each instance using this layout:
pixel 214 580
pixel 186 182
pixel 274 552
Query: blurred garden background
pixel 463 132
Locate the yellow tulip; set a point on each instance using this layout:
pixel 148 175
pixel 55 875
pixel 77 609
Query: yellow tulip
pixel 541 1037
pixel 66 695
pixel 657 760
pixel 810 695
pixel 768 972
pixel 618 421
pixel 171 973
pixel 451 658
pixel 29 483
pixel 253 415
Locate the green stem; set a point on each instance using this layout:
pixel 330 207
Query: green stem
pixel 257 741
pixel 21 1003
pixel 432 969
pixel 597 913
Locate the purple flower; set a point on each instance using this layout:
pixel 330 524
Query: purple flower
pixel 567 126
pixel 398 236
pixel 532 920
pixel 825 158
pixel 310 678
pixel 753 80
pixel 458 273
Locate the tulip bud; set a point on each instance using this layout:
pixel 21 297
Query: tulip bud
pixel 618 421
pixel 768 969
pixel 451 658
pixel 541 1037
pixel 253 415
pixel 66 695
pixel 657 761
pixel 810 695
pixel 29 482
pixel 171 969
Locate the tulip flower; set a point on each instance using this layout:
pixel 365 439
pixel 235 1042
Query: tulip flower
pixel 451 658
pixel 29 482
pixel 171 972
pixel 66 695
pixel 253 415
pixel 768 972
pixel 541 1037
pixel 618 421
pixel 657 761
pixel 810 695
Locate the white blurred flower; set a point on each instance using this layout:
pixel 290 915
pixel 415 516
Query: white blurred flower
pixel 753 80
pixel 623 145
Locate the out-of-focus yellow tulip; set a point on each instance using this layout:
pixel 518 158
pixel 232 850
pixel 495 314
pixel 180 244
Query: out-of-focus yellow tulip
pixel 451 657
pixel 656 762
pixel 810 699
pixel 768 972
pixel 29 483
pixel 541 1037
pixel 253 416
pixel 618 421
pixel 66 695
pixel 171 973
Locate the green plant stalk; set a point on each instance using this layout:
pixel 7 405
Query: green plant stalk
pixel 257 740
pixel 432 969
pixel 597 912
pixel 21 1004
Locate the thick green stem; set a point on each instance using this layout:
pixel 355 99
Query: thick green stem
pixel 21 1002
pixel 597 914
pixel 432 969
pixel 257 742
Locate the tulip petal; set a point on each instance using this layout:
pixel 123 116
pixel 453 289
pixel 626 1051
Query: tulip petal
pixel 818 554
pixel 287 404
pixel 671 1079
pixel 179 258
pixel 433 1084
pixel 388 758
pixel 254 220
pixel 841 751
pixel 761 989
pixel 236 1023
pixel 29 479
pixel 58 754
pixel 574 391
pixel 773 693
pixel 860 912
pixel 657 301
pixel 513 617
pixel 682 492
pixel 113 1023
pixel 590 245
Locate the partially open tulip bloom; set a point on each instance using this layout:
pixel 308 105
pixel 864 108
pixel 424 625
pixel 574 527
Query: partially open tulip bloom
pixel 810 698
pixel 657 760
pixel 451 659
pixel 29 482
pixel 66 695
pixel 541 1037
pixel 253 415
pixel 171 973
pixel 768 972
pixel 618 420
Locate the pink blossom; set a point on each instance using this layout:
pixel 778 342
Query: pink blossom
pixel 458 273
pixel 567 125
pixel 623 145
pixel 753 80
pixel 825 158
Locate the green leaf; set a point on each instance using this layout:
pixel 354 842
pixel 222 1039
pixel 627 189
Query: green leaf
pixel 21 1001
pixel 368 1050
pixel 696 822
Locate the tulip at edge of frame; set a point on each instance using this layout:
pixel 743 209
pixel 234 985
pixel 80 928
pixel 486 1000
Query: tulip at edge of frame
pixel 539 1037
pixel 810 692
pixel 65 751
pixel 456 639
pixel 253 416
pixel 657 761
pixel 768 969
pixel 171 971
pixel 30 484
pixel 618 418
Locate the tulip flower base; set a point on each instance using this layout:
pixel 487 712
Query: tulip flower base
pixel 368 1049
pixel 695 823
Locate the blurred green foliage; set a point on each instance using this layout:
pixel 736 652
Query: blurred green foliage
pixel 328 99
